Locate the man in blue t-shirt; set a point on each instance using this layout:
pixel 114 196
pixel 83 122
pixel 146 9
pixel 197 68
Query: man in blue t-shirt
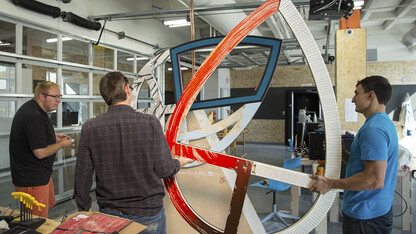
pixel 371 173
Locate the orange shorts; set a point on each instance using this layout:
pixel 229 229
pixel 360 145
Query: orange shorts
pixel 43 194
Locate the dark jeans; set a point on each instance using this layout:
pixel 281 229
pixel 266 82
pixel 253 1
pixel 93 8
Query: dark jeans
pixel 155 224
pixel 379 225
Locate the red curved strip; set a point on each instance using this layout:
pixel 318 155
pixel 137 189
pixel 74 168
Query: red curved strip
pixel 181 110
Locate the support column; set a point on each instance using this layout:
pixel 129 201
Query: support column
pixel 351 66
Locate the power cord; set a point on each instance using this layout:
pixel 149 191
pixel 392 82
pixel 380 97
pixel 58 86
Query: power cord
pixel 405 202
pixel 67 183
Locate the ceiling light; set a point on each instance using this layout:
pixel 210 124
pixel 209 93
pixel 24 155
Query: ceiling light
pixel 179 25
pixel 176 23
pixel 51 40
pixel 182 68
pixel 4 43
pixel 358 4
pixel 138 58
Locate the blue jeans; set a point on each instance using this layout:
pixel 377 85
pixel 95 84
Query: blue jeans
pixel 155 224
pixel 379 225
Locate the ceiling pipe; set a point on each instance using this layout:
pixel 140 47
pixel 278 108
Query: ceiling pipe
pixel 79 21
pixel 409 39
pixel 328 38
pixel 39 7
pixel 284 25
pixel 277 33
pixel 272 23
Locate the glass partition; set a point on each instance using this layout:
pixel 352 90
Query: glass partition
pixel 74 113
pixel 74 82
pixel 7 37
pixel 40 44
pixel 32 75
pixel 74 51
pixel 7 78
pixel 103 57
pixel 99 108
pixel 125 61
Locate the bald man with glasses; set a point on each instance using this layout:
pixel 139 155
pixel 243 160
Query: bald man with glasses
pixel 33 145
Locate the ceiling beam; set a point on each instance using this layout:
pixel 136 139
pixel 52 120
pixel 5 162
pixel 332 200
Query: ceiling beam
pixel 232 60
pixel 389 24
pixel 401 11
pixel 365 11
pixel 249 58
pixel 404 7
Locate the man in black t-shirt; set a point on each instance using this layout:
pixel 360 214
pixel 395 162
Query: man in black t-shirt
pixel 33 145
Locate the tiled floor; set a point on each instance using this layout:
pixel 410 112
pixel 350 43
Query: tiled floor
pixel 267 153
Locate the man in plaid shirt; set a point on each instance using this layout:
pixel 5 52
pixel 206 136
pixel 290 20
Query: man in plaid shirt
pixel 129 154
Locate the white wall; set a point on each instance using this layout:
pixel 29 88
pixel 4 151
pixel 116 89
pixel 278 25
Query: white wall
pixel 218 85
pixel 390 48
pixel 224 89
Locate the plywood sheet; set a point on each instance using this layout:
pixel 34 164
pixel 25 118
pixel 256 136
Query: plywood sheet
pixel 351 66
pixel 206 188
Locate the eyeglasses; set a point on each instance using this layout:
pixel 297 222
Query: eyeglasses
pixel 54 96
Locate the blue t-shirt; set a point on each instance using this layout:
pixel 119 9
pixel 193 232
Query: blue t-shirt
pixel 375 141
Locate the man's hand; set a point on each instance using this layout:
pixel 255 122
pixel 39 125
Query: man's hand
pixel 53 148
pixel 60 136
pixel 183 161
pixel 65 141
pixel 321 184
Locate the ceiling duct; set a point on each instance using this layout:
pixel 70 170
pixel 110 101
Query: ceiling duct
pixel 77 20
pixel 38 7
pixel 409 39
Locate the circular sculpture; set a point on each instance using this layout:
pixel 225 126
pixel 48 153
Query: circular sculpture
pixel 245 167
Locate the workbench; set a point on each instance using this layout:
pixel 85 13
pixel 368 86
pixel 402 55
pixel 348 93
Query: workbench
pixel 50 224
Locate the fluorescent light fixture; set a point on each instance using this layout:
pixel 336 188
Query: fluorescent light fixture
pixel 4 43
pixel 52 40
pixel 358 4
pixel 179 25
pixel 138 58
pixel 176 23
pixel 182 68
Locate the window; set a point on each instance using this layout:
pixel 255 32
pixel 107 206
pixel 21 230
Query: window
pixel 7 37
pixel 99 108
pixel 125 61
pixel 40 44
pixel 145 98
pixel 74 113
pixel 7 78
pixel 103 57
pixel 74 82
pixel 74 51
pixel 96 77
pixel 32 75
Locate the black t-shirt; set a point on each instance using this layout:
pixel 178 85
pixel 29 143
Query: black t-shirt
pixel 31 129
